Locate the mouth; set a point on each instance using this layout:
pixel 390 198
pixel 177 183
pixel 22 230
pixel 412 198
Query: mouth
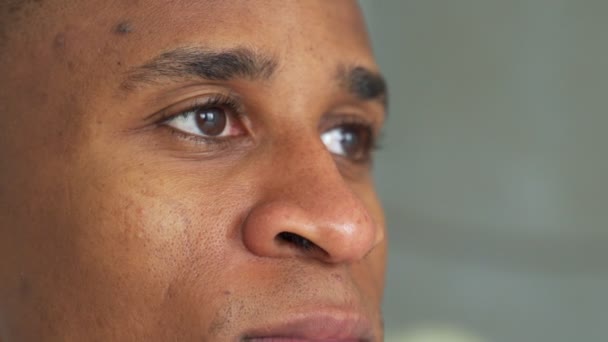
pixel 315 326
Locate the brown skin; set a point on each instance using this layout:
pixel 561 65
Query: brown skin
pixel 113 228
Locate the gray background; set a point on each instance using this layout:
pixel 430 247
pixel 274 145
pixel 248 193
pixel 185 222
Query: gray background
pixel 494 166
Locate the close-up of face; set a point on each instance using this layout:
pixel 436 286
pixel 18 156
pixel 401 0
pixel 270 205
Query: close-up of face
pixel 189 171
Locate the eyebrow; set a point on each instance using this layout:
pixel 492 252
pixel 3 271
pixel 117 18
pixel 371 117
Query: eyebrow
pixel 241 62
pixel 197 62
pixel 364 84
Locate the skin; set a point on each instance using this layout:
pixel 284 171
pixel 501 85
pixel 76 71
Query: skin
pixel 114 228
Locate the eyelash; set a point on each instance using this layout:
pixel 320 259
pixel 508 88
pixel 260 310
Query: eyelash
pixel 235 108
pixel 227 102
pixel 354 121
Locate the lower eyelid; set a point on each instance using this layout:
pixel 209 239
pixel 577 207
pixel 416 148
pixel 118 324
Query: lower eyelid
pixel 197 139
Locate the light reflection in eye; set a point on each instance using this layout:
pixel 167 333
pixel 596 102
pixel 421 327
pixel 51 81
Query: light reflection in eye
pixel 350 141
pixel 333 141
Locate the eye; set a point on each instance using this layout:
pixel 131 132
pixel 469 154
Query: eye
pixel 352 141
pixel 206 121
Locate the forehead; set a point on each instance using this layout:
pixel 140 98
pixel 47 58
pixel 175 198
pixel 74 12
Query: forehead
pixel 89 46
pixel 132 31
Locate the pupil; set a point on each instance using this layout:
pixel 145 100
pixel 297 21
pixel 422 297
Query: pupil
pixel 211 121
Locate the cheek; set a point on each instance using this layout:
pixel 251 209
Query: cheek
pixel 154 245
pixel 159 234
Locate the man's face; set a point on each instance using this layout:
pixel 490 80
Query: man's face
pixel 189 171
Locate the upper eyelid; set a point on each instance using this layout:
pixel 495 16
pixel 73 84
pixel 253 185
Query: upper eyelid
pixel 236 105
pixel 185 106
pixel 338 119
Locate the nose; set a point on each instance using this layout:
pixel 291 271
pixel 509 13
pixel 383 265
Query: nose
pixel 309 210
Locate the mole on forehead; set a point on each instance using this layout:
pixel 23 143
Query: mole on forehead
pixel 11 13
pixel 16 7
pixel 124 27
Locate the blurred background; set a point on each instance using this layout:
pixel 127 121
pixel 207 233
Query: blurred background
pixel 494 168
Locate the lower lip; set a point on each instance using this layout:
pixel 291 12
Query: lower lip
pixel 286 339
pixel 320 326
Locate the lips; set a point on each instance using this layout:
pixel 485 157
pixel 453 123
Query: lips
pixel 280 339
pixel 317 326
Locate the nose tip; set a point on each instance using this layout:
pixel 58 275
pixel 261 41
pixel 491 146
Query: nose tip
pixel 338 233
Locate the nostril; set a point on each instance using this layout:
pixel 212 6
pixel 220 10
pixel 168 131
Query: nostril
pixel 297 241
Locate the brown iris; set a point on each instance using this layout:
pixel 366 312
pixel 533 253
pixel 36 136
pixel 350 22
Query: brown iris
pixel 355 141
pixel 211 121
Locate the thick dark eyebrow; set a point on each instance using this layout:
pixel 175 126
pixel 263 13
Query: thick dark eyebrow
pixel 363 83
pixel 195 62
